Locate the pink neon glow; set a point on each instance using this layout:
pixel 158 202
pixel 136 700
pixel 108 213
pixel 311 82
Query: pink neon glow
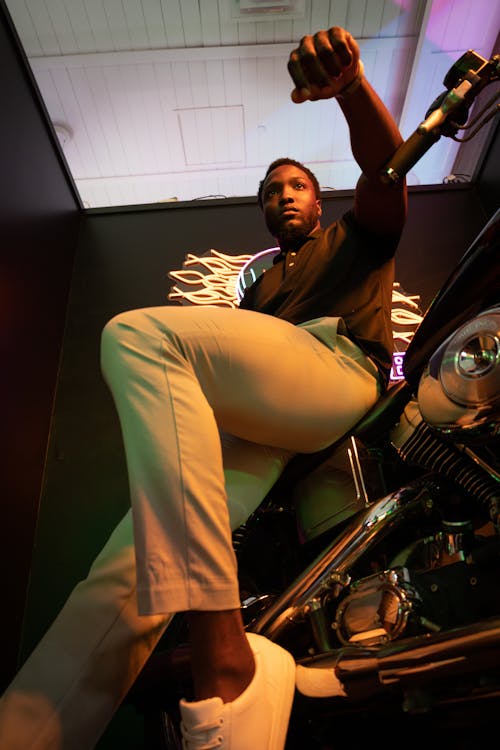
pixel 397 366
pixel 240 288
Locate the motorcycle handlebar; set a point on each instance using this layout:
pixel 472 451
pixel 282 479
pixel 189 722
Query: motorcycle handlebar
pixel 457 100
pixel 407 156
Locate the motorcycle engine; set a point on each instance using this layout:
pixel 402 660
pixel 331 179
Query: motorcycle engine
pixel 448 580
pixel 459 391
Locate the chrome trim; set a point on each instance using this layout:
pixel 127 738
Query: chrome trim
pixel 357 472
pixel 332 566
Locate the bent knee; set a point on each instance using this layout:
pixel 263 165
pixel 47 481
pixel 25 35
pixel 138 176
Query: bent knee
pixel 117 335
pixel 110 338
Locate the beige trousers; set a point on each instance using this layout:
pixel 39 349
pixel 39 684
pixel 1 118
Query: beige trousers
pixel 182 378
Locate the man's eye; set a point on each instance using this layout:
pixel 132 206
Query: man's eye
pixel 299 185
pixel 270 192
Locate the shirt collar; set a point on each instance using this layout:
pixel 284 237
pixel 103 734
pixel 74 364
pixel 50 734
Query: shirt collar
pixel 282 253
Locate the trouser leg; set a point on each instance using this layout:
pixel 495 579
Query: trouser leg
pixel 68 689
pixel 73 682
pixel 178 375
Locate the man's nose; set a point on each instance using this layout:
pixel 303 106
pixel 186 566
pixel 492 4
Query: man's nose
pixel 286 196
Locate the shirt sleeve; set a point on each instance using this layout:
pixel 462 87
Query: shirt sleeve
pixel 384 246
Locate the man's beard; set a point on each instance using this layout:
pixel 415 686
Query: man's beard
pixel 290 235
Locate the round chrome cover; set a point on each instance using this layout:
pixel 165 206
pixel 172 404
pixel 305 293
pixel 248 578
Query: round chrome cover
pixel 376 610
pixel 470 368
pixel 459 391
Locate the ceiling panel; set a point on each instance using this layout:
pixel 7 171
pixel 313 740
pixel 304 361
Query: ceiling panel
pixel 158 100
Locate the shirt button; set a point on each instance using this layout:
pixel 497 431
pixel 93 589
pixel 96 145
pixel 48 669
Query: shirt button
pixel 290 265
pixel 293 254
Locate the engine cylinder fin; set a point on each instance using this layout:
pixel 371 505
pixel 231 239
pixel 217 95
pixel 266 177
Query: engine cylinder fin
pixel 426 450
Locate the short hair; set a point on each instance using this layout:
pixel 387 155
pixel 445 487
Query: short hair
pixel 285 160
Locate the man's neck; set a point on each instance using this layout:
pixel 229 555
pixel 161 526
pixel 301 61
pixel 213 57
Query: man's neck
pixel 293 244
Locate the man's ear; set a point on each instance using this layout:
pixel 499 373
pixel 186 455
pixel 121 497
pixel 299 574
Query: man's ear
pixel 320 210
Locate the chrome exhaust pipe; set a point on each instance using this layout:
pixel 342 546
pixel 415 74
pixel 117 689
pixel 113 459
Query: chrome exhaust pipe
pixel 429 660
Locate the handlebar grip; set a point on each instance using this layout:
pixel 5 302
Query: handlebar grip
pixel 407 155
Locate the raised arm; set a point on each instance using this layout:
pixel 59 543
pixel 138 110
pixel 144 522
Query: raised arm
pixel 327 65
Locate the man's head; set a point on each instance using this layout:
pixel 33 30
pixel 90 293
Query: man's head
pixel 289 196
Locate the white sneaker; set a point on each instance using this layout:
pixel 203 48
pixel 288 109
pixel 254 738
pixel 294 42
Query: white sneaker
pixel 257 719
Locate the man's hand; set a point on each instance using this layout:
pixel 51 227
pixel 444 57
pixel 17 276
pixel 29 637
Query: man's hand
pixel 323 65
pixel 328 65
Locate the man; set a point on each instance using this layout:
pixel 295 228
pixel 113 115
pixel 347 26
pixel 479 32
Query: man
pixel 309 352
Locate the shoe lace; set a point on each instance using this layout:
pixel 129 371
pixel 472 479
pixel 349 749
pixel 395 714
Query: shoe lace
pixel 195 737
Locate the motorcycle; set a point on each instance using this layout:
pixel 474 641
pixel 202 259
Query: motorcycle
pixel 400 598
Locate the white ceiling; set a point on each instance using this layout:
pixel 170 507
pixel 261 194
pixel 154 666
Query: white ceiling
pixel 158 100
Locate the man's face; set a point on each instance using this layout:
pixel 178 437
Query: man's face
pixel 291 209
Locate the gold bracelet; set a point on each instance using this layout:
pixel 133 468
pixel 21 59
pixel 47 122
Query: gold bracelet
pixel 346 92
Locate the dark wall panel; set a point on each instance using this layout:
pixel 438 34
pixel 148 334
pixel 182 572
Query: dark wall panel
pixel 39 219
pixel 442 222
pixel 488 183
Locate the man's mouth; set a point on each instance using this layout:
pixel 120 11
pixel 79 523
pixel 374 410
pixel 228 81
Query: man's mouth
pixel 288 212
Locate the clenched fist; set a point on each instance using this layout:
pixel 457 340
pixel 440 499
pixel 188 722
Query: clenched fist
pixel 324 65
